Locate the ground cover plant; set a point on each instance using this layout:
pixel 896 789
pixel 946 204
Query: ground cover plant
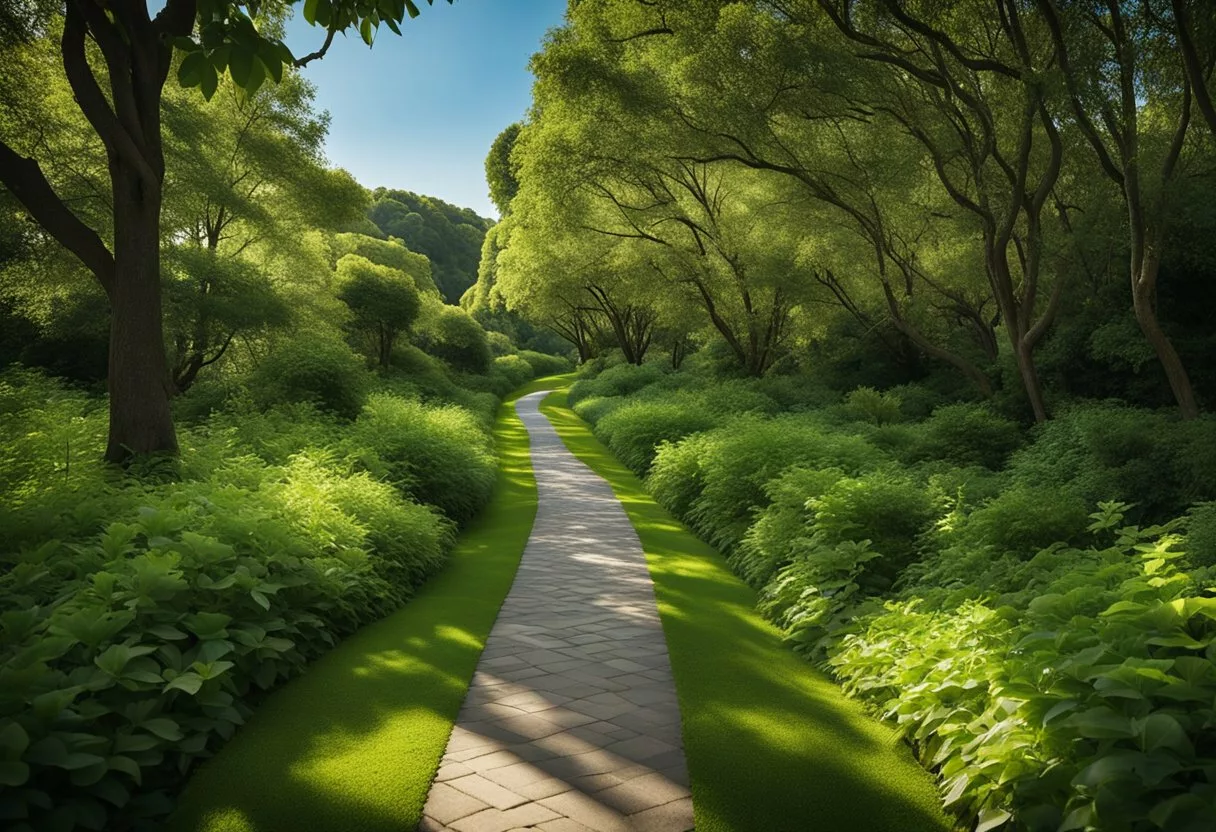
pixel 1048 657
pixel 755 718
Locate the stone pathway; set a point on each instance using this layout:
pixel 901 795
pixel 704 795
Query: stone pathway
pixel 571 723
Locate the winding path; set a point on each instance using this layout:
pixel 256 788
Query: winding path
pixel 571 723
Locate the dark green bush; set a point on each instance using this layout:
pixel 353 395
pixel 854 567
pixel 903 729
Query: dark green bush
pixel 782 529
pixel 450 333
pixel 634 431
pixel 865 404
pixel 968 434
pixel 1147 458
pixel 313 370
pixel 437 455
pixel 515 368
pixel 1201 534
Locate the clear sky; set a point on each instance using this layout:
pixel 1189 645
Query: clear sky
pixel 418 112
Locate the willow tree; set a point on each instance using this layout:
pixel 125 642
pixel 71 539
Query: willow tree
pixel 117 57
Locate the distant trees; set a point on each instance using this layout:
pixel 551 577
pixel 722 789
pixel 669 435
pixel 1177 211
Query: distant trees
pixel 450 236
pixel 383 303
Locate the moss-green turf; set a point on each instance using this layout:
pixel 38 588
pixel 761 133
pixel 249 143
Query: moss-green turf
pixel 354 742
pixel 772 744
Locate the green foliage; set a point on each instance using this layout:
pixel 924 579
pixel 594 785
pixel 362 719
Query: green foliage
pixel 390 253
pixel 450 236
pixel 437 455
pixel 1022 521
pixel 743 456
pixel 618 380
pixel 450 333
pixel 315 370
pixel 865 404
pixel 514 368
pixel 143 620
pixel 1138 456
pixel 595 408
pixel 544 364
pixel 636 429
pixel 383 303
pixel 968 434
pixel 1201 534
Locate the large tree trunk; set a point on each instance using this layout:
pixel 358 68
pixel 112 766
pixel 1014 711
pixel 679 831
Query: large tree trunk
pixel 1144 303
pixel 139 380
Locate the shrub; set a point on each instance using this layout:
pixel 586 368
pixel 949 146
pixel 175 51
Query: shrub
pixel 968 434
pixel 783 527
pixel 1201 534
pixel 617 380
pixel 499 344
pixel 593 409
pixel 132 652
pixel 865 404
pixel 797 392
pixel 885 507
pixel 515 368
pixel 634 430
pixel 450 333
pixel 544 364
pixel 1021 521
pixel 437 455
pixel 1104 450
pixel 313 370
pixel 677 475
pixel 747 453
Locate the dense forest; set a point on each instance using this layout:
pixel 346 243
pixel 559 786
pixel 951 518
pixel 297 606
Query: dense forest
pixel 903 307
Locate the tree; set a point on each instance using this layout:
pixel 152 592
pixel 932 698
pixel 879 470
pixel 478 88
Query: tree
pixel 500 170
pixel 1122 118
pixel 132 54
pixel 383 303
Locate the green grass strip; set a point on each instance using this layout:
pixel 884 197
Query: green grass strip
pixel 354 742
pixel 771 743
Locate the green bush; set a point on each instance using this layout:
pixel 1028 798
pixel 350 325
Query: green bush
pixel 1150 459
pixel 746 454
pixel 136 635
pixel 450 333
pixel 1022 521
pixel 968 434
pixel 783 528
pixel 617 380
pixel 314 370
pixel 634 431
pixel 595 408
pixel 1201 534
pixel 437 455
pixel 865 404
pixel 544 364
pixel 515 368
pixel 677 474
pixel 887 508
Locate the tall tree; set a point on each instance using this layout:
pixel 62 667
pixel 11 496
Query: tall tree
pixel 117 58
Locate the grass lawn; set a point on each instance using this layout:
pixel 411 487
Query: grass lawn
pixel 771 743
pixel 354 742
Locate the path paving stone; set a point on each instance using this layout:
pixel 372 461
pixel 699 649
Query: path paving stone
pixel 571 723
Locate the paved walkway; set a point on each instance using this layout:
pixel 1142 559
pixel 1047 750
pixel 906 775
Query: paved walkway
pixel 571 723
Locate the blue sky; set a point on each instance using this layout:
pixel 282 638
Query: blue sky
pixel 419 111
